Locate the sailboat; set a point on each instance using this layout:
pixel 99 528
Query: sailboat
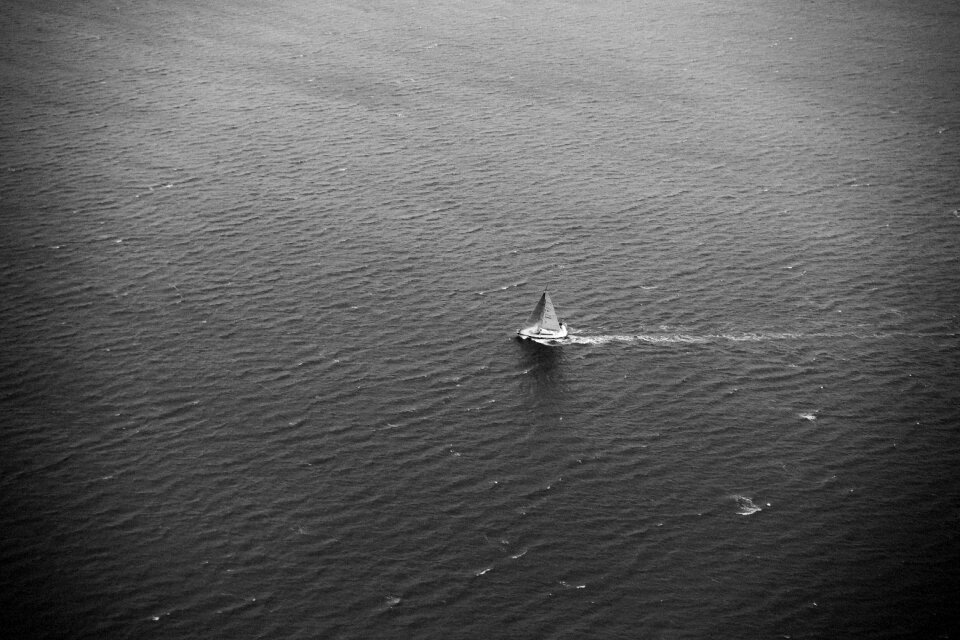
pixel 543 323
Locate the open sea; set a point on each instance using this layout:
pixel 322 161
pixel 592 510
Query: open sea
pixel 262 264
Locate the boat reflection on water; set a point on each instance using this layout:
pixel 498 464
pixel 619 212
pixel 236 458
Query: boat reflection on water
pixel 541 371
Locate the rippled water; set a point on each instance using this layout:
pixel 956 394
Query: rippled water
pixel 261 268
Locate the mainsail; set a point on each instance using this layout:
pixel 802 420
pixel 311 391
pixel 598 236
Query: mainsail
pixel 544 316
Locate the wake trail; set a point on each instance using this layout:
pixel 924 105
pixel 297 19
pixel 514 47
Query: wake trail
pixel 686 338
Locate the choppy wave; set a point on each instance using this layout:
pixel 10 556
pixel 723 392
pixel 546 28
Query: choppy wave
pixel 505 287
pixel 746 506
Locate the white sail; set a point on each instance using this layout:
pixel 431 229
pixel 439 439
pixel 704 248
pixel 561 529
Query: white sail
pixel 543 326
pixel 544 316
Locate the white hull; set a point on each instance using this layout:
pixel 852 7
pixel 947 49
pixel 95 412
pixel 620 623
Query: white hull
pixel 533 333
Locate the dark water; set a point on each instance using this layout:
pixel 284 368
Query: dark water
pixel 261 264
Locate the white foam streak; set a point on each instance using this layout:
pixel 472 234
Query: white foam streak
pixel 685 338
pixel 674 338
pixel 745 506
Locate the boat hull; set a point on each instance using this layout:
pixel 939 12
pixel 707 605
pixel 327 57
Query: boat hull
pixel 533 333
